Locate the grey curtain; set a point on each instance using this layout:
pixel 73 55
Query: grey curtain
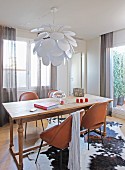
pixel 105 67
pixel 8 80
pixel 105 64
pixel 42 90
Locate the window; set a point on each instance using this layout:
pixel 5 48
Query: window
pixel 21 53
pixel 26 65
pixel 118 56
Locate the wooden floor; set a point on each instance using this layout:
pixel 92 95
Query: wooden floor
pixel 6 160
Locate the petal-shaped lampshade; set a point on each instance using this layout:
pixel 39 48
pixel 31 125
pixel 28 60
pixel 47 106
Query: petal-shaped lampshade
pixel 57 35
pixel 56 51
pixel 72 43
pixel 48 44
pixel 55 44
pixel 37 45
pixel 68 54
pixel 72 49
pixel 70 38
pixel 37 29
pixel 63 45
pixel 41 35
pixel 56 61
pixel 41 52
pixel 46 60
pixel 70 33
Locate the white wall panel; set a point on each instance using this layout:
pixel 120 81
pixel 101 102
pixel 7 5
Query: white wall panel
pixel 119 38
pixel 93 66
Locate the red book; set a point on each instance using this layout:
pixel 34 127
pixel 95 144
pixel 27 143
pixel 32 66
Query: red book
pixel 46 105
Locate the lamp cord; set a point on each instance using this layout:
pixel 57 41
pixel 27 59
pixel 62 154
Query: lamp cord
pixel 53 17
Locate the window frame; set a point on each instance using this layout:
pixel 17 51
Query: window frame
pixel 29 41
pixel 28 65
pixel 28 87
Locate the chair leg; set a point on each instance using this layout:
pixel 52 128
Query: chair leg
pixel 101 135
pixel 58 120
pixel 88 138
pixel 25 129
pixel 50 119
pixel 39 151
pixel 36 123
pixel 42 124
pixel 61 159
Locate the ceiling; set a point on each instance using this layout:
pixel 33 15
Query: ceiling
pixel 88 18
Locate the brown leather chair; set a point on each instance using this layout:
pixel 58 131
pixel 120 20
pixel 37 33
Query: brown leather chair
pixel 94 118
pixel 29 96
pixel 58 136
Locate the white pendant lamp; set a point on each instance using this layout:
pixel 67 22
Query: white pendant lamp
pixel 54 43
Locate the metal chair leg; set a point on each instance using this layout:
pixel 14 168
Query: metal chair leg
pixel 50 119
pixel 25 129
pixel 42 124
pixel 58 120
pixel 88 138
pixel 39 151
pixel 36 123
pixel 61 159
pixel 101 135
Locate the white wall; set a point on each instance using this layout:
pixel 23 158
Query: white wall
pixel 62 78
pixel 119 38
pixel 25 34
pixel 75 72
pixel 93 66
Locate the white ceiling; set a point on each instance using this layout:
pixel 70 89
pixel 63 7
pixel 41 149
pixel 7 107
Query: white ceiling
pixel 88 18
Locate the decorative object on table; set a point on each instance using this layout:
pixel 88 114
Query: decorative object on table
pixel 110 155
pixel 86 99
pixel 50 93
pixel 59 95
pixel 81 100
pixel 78 92
pixel 77 100
pixel 54 43
pixel 62 102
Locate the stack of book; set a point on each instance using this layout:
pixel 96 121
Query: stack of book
pixel 46 105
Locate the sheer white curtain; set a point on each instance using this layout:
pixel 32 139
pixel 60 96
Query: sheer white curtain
pixel 8 80
pixel 47 79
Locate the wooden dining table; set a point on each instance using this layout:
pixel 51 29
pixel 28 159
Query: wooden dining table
pixel 20 112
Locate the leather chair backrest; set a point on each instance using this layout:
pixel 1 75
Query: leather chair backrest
pixel 95 116
pixel 60 134
pixel 28 96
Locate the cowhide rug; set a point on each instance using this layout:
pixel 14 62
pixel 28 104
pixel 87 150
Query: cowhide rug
pixel 107 156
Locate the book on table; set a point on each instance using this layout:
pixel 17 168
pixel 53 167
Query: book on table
pixel 46 105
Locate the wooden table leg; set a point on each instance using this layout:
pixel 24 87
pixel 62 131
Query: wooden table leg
pixel 20 144
pixel 104 129
pixel 11 132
